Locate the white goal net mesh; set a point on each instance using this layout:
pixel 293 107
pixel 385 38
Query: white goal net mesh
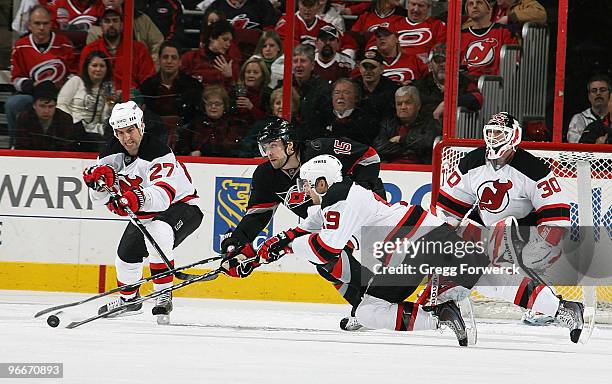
pixel 587 178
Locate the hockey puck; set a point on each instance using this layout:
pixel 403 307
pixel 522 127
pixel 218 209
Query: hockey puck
pixel 53 321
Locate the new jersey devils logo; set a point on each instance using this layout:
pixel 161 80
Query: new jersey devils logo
pixel 480 53
pixel 493 195
pixel 127 182
pixel 414 37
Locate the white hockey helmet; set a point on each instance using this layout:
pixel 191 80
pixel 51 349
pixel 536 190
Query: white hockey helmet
pixel 320 167
pixel 125 115
pixel 502 134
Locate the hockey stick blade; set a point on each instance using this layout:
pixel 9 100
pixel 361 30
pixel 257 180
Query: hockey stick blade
pixel 129 286
pixel 206 277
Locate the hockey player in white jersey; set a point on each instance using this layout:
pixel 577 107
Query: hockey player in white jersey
pixel 158 189
pixel 502 180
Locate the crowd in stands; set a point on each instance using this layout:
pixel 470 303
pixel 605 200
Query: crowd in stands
pixel 378 79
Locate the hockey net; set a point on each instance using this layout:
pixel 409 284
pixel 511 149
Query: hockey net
pixel 585 172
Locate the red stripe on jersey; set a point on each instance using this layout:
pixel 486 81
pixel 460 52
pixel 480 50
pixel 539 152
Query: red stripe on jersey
pixel 534 295
pixel 311 238
pixel 337 270
pixel 380 199
pixel 186 172
pixel 553 206
pixel 168 189
pixel 263 205
pixel 455 200
pixel 188 198
pixel 399 317
pixel 547 219
pixel 370 152
pixel 126 291
pixel 160 266
pixel 413 315
pixel 521 290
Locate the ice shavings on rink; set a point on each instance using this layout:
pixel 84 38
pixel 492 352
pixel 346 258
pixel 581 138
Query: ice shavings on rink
pixel 223 341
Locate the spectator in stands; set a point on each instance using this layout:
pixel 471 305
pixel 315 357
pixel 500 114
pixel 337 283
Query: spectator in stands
pixel 167 16
pixel 217 132
pixel 40 55
pixel 212 15
pixel 380 13
pixel 171 92
pixel 85 98
pixel 211 64
pixel 145 30
pixel 481 43
pixel 409 136
pixel 399 66
pixel 307 25
pixel 252 93
pixel 270 49
pixel 313 90
pixel 598 132
pixel 377 91
pixel 515 13
pixel 598 90
pixel 431 87
pixel 348 120
pixel 329 63
pixel 419 32
pixel 44 127
pixel 331 15
pixel 111 43
pixel 248 14
pixel 73 15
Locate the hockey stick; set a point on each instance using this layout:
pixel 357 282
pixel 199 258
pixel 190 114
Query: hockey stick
pixel 130 286
pixel 136 221
pixel 208 276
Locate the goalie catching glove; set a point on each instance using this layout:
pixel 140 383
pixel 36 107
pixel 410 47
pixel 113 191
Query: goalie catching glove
pixel 543 248
pixel 275 247
pixel 132 199
pixel 239 261
pixel 94 174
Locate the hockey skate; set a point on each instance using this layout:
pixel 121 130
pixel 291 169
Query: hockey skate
pixel 162 308
pixel 449 315
pixel 570 315
pixel 536 319
pixel 129 309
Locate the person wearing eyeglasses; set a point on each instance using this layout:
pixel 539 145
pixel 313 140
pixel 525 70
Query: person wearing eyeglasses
pixel 598 91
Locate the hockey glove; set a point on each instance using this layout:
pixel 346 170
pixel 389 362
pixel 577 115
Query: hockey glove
pixel 275 247
pixel 543 248
pixel 133 199
pixel 504 243
pixel 240 263
pixel 96 173
pixel 230 245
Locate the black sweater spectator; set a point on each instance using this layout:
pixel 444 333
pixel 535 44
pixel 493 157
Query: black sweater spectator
pixel 598 132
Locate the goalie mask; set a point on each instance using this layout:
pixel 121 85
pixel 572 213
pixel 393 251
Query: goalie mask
pixel 320 167
pixel 125 115
pixel 502 134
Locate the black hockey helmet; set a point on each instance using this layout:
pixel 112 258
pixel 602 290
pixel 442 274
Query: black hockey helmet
pixel 276 129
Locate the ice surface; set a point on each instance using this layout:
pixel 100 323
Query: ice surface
pixel 223 341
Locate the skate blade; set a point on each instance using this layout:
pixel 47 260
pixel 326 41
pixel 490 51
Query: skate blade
pixel 163 319
pixel 124 314
pixel 589 325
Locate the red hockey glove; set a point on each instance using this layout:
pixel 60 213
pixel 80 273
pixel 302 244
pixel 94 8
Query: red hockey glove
pixel 92 175
pixel 133 199
pixel 275 247
pixel 240 263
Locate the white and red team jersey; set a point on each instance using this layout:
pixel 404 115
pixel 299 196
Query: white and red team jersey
pixel 338 221
pixel 54 63
pixel 163 179
pixel 370 20
pixel 416 38
pixel 404 69
pixel 525 188
pixel 481 48
pixel 304 34
pixel 340 66
pixel 65 14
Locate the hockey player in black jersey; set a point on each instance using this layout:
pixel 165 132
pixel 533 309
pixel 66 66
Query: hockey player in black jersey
pixel 157 188
pixel 274 184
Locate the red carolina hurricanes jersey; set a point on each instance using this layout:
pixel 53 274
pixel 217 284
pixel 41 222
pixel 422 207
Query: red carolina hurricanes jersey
pixel 480 48
pixel 404 68
pixel 419 38
pixel 370 20
pixel 54 63
pixel 520 188
pixel 304 34
pixel 65 14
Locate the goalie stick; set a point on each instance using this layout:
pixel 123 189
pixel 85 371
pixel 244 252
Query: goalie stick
pixel 136 221
pixel 131 286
